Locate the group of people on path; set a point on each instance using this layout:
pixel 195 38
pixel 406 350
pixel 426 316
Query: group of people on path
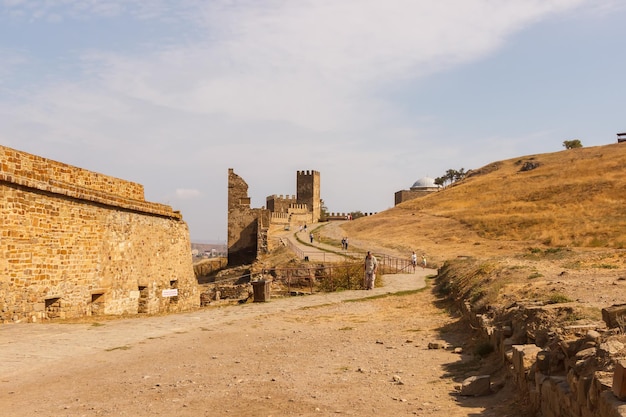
pixel 344 243
pixel 414 261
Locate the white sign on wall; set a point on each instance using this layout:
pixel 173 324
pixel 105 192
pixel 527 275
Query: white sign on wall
pixel 170 293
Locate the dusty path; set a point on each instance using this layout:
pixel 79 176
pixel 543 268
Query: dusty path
pixel 316 355
pixel 29 346
pixel 303 356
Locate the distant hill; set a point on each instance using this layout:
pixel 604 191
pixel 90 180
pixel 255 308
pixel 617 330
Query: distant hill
pixel 571 198
pixel 207 247
pixel 536 242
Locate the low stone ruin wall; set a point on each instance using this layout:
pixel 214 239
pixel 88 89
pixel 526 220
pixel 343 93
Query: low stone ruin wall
pixel 566 371
pixel 225 291
pixel 208 266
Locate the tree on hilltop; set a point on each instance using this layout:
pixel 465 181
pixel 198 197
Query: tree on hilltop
pixel 356 214
pixel 572 144
pixel 323 211
pixel 451 176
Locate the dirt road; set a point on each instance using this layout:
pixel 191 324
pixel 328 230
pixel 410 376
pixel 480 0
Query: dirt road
pixel 358 353
pixel 314 355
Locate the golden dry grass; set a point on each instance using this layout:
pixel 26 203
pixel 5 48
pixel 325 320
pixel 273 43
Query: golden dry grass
pixel 573 198
pixel 557 229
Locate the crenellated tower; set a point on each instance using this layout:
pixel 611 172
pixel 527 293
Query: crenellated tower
pixel 308 192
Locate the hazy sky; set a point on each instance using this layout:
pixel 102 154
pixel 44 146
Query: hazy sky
pixel 374 94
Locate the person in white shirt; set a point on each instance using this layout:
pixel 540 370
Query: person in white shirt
pixel 371 266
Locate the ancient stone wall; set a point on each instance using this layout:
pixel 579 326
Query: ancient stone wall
pixel 562 372
pixel 78 243
pixel 279 204
pixel 280 219
pixel 246 225
pixel 406 195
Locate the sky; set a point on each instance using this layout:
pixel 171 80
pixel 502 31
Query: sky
pixel 373 94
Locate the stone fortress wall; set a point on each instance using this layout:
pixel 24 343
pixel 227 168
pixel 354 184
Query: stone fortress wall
pixel 248 227
pixel 279 203
pixel 77 243
pixel 406 195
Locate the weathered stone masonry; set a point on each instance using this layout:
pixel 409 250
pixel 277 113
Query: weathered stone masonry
pixel 248 227
pixel 74 243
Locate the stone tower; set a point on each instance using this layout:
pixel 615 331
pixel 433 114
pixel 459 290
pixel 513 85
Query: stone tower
pixel 308 192
pixel 247 227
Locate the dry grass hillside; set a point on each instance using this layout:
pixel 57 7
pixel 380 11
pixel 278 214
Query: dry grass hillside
pixel 573 198
pixel 544 225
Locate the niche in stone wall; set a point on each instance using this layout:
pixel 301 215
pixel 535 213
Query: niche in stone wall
pixel 144 297
pixel 174 286
pixel 97 304
pixel 53 307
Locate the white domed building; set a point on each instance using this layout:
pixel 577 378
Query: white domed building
pixel 420 188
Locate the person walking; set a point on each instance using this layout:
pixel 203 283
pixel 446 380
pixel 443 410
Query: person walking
pixel 371 266
pixel 414 261
pixel 423 261
pixel 311 237
pixel 346 243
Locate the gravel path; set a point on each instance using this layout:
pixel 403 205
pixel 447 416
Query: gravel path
pixel 28 346
pixel 313 355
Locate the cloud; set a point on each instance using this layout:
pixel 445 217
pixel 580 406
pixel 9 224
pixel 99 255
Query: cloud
pixel 187 194
pixel 267 87
pixel 56 11
pixel 316 64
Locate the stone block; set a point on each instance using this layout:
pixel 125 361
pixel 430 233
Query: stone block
pixel 437 345
pixel 524 356
pixel 613 314
pixel 609 406
pixel 619 380
pixel 611 347
pixel 475 386
pixel 552 395
pixel 593 335
pixel 600 383
pixel 582 390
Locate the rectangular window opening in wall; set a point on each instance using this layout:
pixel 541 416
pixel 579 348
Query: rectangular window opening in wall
pixel 174 286
pixel 144 298
pixel 53 307
pixel 97 304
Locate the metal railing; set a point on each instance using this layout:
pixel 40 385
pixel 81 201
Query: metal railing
pixel 321 277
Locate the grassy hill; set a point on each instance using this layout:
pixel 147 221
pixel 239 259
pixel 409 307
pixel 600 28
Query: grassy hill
pixel 539 228
pixel 573 198
pixel 535 245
